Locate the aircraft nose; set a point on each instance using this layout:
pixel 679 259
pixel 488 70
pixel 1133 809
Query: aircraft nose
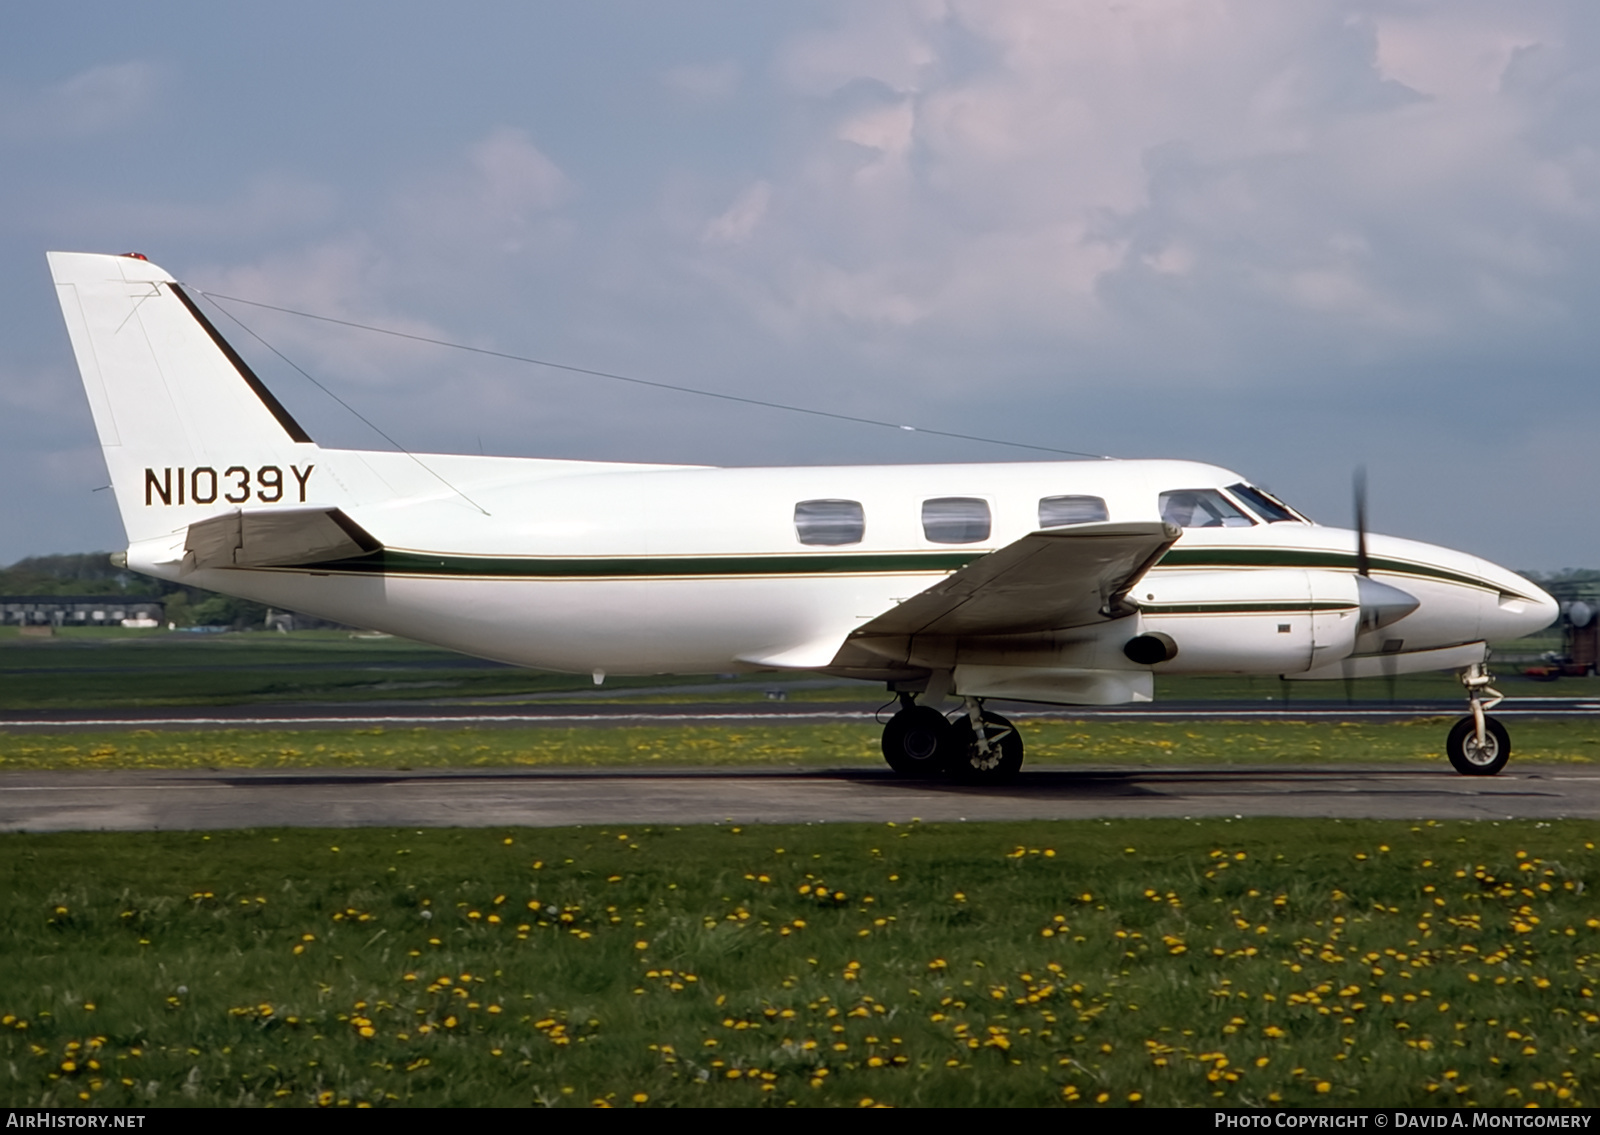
pixel 1522 611
pixel 1545 611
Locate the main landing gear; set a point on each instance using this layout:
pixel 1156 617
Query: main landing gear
pixel 977 747
pixel 1478 744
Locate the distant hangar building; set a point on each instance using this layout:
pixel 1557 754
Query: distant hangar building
pixel 80 611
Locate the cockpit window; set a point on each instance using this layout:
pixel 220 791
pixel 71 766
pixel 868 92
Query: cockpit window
pixel 1265 505
pixel 1201 508
pixel 829 522
pixel 1056 511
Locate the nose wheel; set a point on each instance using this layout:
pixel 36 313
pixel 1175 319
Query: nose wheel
pixel 978 747
pixel 1478 745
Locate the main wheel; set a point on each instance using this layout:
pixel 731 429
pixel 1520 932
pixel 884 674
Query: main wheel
pixel 969 763
pixel 1471 759
pixel 916 742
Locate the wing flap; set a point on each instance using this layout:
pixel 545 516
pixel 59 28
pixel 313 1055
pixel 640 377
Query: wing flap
pixel 1048 580
pixel 279 537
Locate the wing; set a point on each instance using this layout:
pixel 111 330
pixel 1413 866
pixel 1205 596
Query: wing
pixel 1052 579
pixel 275 537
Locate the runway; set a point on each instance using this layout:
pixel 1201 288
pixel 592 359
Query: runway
pixel 210 800
pixel 435 715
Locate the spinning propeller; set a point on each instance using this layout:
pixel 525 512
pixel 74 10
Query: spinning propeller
pixel 1381 604
pixel 1363 565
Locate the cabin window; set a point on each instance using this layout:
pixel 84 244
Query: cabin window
pixel 1264 504
pixel 1201 508
pixel 830 522
pixel 1056 511
pixel 955 520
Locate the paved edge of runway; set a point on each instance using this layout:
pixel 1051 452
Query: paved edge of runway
pixel 257 799
pixel 1031 776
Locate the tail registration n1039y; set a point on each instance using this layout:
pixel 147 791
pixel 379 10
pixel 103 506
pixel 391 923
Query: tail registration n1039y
pixel 1066 582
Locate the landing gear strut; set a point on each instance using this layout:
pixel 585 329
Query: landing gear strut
pixel 987 749
pixel 1478 744
pixel 978 747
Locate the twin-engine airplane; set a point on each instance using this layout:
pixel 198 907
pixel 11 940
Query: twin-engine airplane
pixel 1063 582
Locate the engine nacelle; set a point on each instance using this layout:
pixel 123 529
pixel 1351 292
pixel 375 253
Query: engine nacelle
pixel 1250 620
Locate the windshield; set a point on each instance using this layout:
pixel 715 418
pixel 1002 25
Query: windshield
pixel 1265 505
pixel 1201 508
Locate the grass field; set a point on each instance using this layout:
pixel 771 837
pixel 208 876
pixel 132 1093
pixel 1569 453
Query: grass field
pixel 147 668
pixel 1152 963
pixel 1131 743
pixel 1159 963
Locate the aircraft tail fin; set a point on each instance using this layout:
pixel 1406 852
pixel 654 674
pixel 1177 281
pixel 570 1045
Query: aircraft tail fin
pixel 187 428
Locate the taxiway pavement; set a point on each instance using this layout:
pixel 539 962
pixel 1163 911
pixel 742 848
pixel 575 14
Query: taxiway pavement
pixel 149 800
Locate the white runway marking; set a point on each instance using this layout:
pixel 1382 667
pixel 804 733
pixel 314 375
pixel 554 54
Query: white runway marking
pixel 1187 713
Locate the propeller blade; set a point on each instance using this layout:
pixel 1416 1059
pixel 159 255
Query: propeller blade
pixel 1363 565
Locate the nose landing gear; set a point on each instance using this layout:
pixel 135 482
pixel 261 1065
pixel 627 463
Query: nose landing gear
pixel 978 747
pixel 1478 744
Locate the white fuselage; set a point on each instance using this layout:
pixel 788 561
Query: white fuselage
pixel 584 567
pixel 1066 581
pixel 1070 582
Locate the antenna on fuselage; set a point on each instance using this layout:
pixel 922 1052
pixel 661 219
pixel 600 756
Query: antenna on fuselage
pixel 214 297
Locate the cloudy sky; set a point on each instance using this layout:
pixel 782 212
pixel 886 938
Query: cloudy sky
pixel 1286 238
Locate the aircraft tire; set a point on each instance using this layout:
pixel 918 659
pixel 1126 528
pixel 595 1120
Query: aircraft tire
pixel 1465 755
pixel 916 741
pixel 967 763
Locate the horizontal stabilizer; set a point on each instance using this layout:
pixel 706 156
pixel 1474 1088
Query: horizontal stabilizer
pixel 278 537
pixel 1052 579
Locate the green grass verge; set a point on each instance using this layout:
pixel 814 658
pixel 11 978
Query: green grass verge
pixel 1161 963
pixel 154 668
pixel 1404 688
pixel 1051 743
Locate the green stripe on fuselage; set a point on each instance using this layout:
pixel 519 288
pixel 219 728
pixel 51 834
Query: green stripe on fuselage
pixel 389 562
pixel 1277 607
pixel 1201 558
pixel 452 566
